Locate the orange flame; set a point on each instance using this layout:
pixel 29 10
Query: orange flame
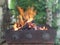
pixel 24 17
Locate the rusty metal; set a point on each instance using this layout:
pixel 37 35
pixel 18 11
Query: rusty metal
pixel 30 36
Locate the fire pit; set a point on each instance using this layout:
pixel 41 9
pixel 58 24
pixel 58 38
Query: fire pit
pixel 29 36
pixel 25 31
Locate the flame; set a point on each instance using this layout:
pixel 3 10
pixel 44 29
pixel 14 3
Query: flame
pixel 24 17
pixel 30 14
pixel 16 27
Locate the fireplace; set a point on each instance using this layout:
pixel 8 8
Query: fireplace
pixel 25 31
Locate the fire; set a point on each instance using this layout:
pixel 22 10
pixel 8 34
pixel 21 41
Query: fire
pixel 15 27
pixel 43 28
pixel 26 17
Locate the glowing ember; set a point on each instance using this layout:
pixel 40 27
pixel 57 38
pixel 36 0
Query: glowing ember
pixel 43 28
pixel 26 17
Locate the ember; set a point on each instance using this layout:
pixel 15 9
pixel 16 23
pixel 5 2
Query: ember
pixel 26 17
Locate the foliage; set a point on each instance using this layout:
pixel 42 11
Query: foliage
pixel 39 6
pixel 40 18
pixel 11 4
